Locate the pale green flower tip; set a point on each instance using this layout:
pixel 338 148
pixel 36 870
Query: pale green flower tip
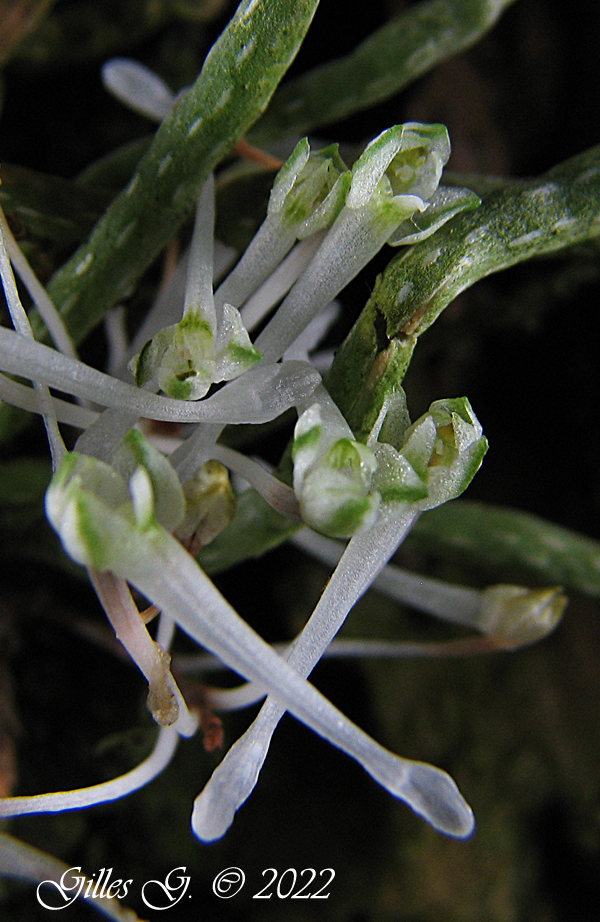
pixel 333 474
pixel 183 356
pixel 95 510
pixel 188 358
pixel 446 447
pixel 136 452
pixel 234 351
pixel 186 367
pixel 353 457
pixel 144 365
pixel 334 491
pixel 406 160
pixel 336 505
pixel 307 436
pixel 433 794
pixel 449 429
pixel 78 472
pixel 310 189
pixel 515 617
pixel 81 485
pixel 419 444
pixel 287 175
pixel 326 211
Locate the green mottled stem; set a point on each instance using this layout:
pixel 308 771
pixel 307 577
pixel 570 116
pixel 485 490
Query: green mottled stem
pixel 386 62
pixel 237 80
pixel 509 541
pixel 521 221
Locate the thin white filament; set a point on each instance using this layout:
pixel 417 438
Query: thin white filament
pixel 280 281
pixel 352 241
pixel 198 290
pixel 24 333
pixel 133 780
pixel 48 312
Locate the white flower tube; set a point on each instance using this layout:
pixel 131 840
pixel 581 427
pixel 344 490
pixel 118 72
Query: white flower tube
pixel 207 346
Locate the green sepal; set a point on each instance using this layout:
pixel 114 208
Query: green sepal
pixel 234 351
pixel 332 475
pixel 396 479
pixel 305 440
pixel 189 358
pixel 310 189
pixel 89 506
pixel 101 513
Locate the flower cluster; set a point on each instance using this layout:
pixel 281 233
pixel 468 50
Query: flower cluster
pixel 133 516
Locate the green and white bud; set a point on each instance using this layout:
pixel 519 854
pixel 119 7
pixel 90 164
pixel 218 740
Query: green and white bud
pixel 310 189
pixel 100 512
pixel 333 473
pixel 190 356
pixel 514 617
pixel 307 195
pixel 395 179
pixel 445 447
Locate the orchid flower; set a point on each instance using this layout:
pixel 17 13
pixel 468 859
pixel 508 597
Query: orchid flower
pixel 441 452
pixel 207 346
pixel 333 473
pixel 308 193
